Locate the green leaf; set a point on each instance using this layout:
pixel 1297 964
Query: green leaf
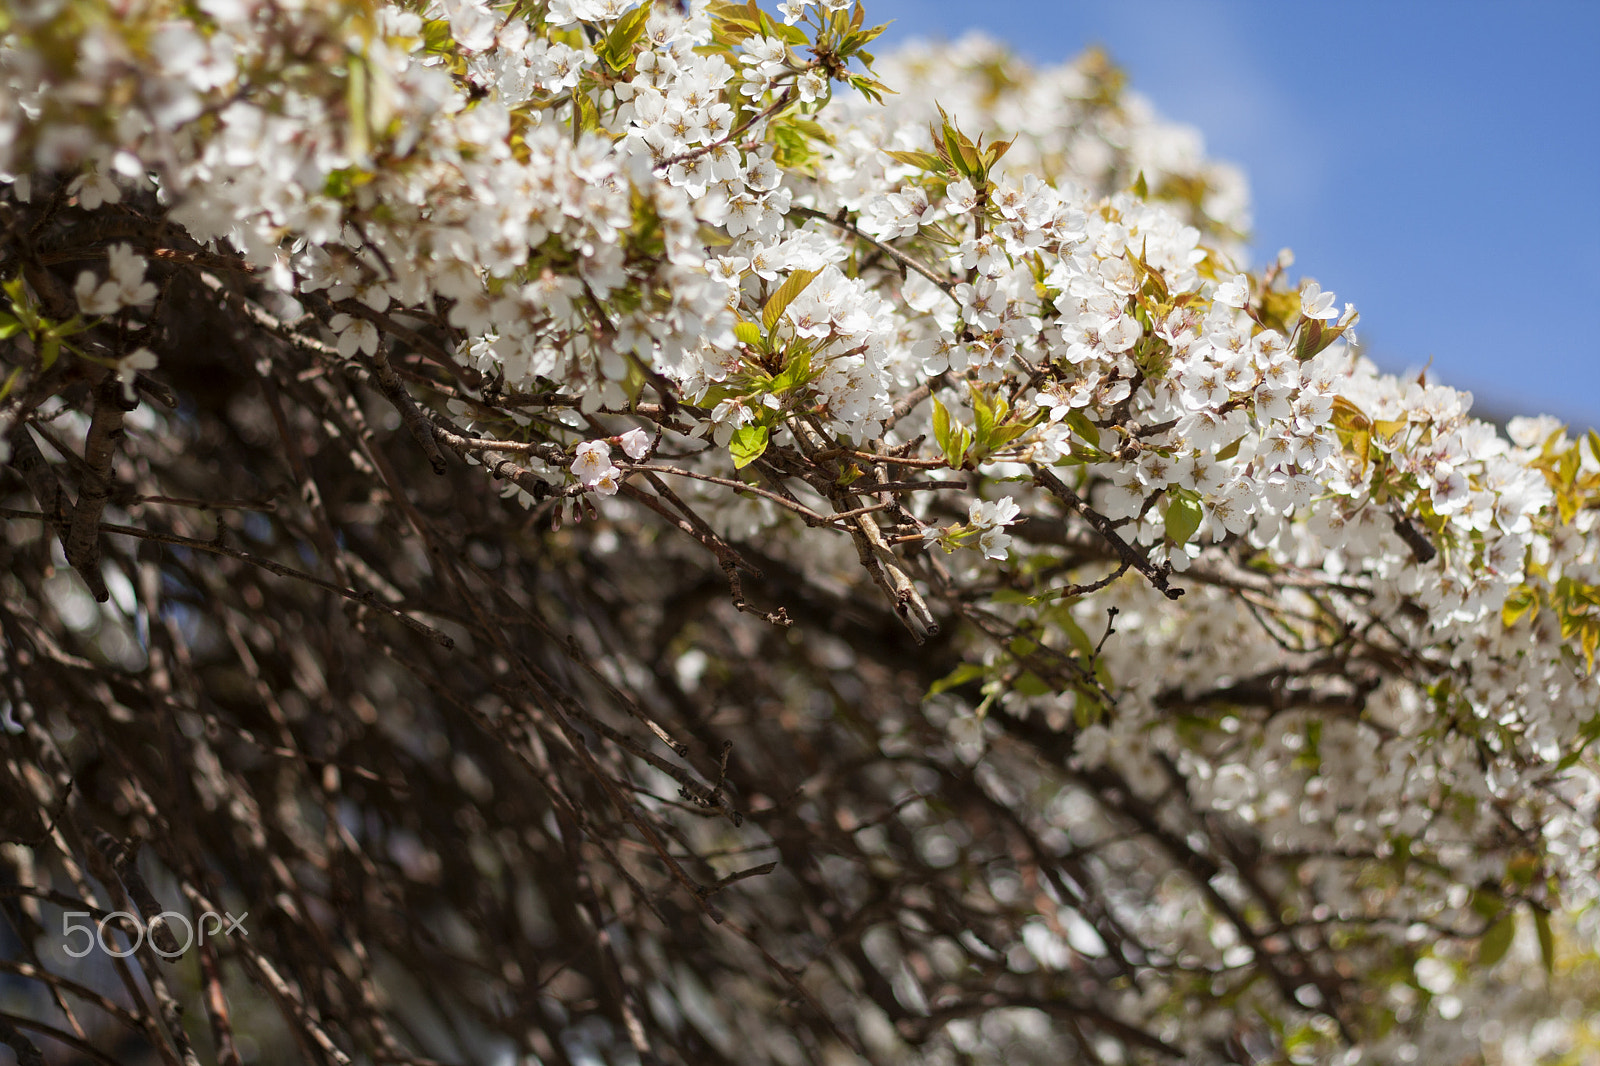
pixel 793 139
pixel 983 417
pixel 866 37
pixel 953 440
pixel 1389 428
pixel 1075 633
pixel 1147 275
pixel 779 301
pixel 1141 188
pixel 961 675
pixel 921 160
pixel 941 426
pixel 70 328
pixel 1004 435
pixel 1348 416
pixel 1497 941
pixel 1547 939
pixel 963 155
pixel 796 372
pixel 1230 451
pixel 1523 868
pixel 748 333
pixel 1487 905
pixel 1522 600
pixel 1183 515
pixel 871 88
pixel 617 50
pixel 1031 684
pixel 588 114
pixel 1084 428
pixel 1313 336
pixel 436 35
pixel 1308 339
pixel 747 445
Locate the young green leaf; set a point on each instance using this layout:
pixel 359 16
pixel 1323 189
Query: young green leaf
pixel 1183 515
pixel 779 301
pixel 748 333
pixel 1084 428
pixel 1547 939
pixel 952 149
pixel 747 445
pixel 796 372
pixel 941 426
pixel 1497 941
pixel 959 676
pixel 617 49
pixel 588 114
pixel 1029 683
pixel 962 443
pixel 982 417
pixel 921 160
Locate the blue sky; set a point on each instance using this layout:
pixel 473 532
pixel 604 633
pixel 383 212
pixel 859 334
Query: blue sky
pixel 1436 163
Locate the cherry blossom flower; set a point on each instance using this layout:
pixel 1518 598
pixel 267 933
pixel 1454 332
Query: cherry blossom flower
pixel 1314 303
pixel 990 514
pixel 125 288
pixel 355 335
pixel 129 365
pixel 591 459
pixel 1235 292
pixel 994 543
pixel 635 443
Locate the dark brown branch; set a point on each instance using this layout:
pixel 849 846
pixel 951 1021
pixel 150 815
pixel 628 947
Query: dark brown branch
pixel 1132 556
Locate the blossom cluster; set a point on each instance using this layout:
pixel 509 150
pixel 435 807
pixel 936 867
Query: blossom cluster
pixel 592 465
pixel 713 222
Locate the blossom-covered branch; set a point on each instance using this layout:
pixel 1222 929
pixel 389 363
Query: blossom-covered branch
pixel 875 494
